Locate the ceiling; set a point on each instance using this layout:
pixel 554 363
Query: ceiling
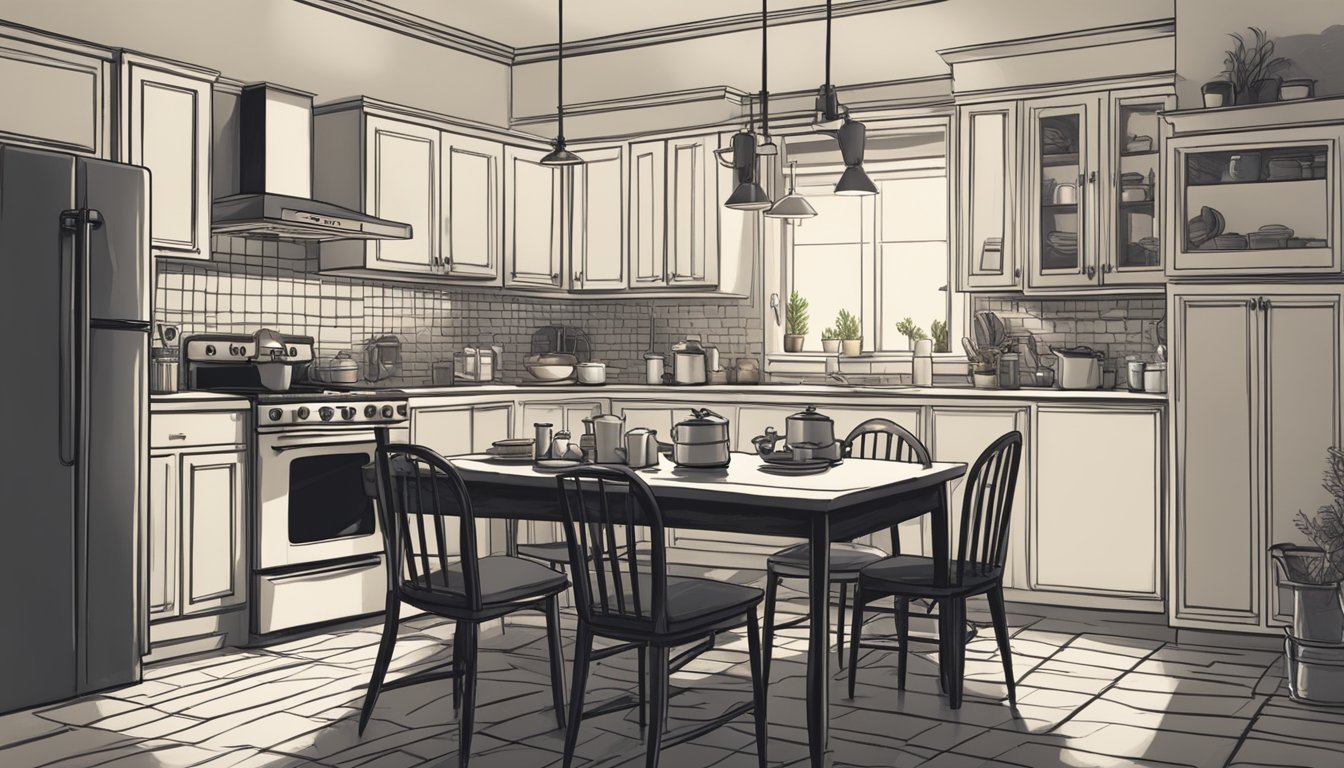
pixel 526 23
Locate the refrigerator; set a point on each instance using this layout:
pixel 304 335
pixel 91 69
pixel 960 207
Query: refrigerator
pixel 75 277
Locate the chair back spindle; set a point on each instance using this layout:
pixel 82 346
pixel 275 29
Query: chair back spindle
pixel 886 440
pixel 987 506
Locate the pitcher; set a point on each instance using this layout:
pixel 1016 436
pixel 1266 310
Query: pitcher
pixel 609 433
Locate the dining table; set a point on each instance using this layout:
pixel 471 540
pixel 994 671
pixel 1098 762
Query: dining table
pixel 852 498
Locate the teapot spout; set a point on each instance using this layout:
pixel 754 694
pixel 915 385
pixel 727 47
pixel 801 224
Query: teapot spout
pixel 765 444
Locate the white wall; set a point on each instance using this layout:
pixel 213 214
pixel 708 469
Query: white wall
pixel 1309 32
pixel 285 42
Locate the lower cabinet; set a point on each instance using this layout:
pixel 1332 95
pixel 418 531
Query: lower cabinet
pixel 459 430
pixel 196 544
pixel 1098 496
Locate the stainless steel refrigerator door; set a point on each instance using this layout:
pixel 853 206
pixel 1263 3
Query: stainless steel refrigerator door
pixel 120 265
pixel 37 559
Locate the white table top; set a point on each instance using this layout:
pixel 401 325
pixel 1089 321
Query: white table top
pixel 852 481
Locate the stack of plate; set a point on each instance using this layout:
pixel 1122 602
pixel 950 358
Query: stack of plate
pixel 1270 236
pixel 520 449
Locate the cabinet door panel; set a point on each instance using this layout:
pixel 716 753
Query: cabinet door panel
pixel 692 212
pixel 53 98
pixel 471 201
pixel 405 187
pixel 647 214
pixel 1132 256
pixel 988 196
pixel 1217 548
pixel 1062 192
pixel 212 529
pixel 533 230
pixel 599 220
pixel 161 537
pixel 1302 405
pixel 488 424
pixel 446 431
pixel 1097 532
pixel 533 413
pixel 961 434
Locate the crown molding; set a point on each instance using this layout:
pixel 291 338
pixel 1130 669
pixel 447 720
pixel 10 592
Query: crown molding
pixel 402 22
pixel 1064 41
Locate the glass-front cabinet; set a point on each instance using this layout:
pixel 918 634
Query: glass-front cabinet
pixel 1257 202
pixel 1062 199
pixel 1134 249
pixel 989 153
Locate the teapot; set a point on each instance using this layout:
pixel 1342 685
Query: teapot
pixel 806 426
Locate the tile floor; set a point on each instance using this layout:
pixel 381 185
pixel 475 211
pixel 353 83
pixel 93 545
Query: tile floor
pixel 1094 690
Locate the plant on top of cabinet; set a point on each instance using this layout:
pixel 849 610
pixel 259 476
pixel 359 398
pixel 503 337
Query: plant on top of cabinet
pixel 795 323
pixel 1250 67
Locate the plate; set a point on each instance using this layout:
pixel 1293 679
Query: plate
pixel 785 459
pixel 812 467
pixel 516 442
pixel 556 465
pixel 512 458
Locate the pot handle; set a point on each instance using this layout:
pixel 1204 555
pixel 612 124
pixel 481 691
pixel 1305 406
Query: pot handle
pixel 673 433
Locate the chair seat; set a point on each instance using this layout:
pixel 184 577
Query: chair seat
pixel 847 558
pixel 556 552
pixel 504 580
pixel 692 603
pixel 912 576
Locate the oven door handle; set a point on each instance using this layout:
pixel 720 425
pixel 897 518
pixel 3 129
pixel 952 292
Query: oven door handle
pixel 364 564
pixel 318 444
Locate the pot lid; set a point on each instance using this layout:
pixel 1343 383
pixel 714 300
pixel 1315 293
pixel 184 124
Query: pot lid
pixel 343 361
pixel 810 414
pixel 1074 351
pixel 691 346
pixel 702 417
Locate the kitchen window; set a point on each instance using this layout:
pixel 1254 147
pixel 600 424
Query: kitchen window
pixel 884 258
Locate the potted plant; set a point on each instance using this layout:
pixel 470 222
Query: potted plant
pixel 795 323
pixel 847 330
pixel 1315 645
pixel 938 332
pixel 910 331
pixel 1251 68
pixel 830 341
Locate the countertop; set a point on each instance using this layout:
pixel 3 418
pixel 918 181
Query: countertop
pixel 732 391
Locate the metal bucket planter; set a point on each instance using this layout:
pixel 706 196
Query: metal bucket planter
pixel 1318 613
pixel 1315 672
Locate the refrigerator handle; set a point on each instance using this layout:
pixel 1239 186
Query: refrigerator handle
pixel 74 324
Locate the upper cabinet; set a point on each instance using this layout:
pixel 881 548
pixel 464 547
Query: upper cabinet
pixel 471 198
pixel 402 167
pixel 166 112
pixel 674 213
pixel 598 218
pixel 534 227
pixel 1255 190
pixel 988 178
pixel 57 93
pixel 1133 250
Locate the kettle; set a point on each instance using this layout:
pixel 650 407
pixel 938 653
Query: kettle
pixel 807 426
pixel 690 362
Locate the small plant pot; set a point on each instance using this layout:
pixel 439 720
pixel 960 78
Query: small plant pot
pixel 793 342
pixel 1218 93
pixel 1266 90
pixel 1297 88
pixel 830 345
pixel 851 347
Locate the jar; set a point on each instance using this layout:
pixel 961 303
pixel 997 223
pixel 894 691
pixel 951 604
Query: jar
pixel 922 364
pixel 1009 371
pixel 542 442
pixel 653 368
pixel 1155 378
pixel 163 370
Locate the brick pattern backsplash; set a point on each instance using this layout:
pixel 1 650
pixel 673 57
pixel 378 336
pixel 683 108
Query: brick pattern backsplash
pixel 1116 326
pixel 250 284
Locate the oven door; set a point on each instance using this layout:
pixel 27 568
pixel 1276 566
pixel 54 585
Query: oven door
pixel 311 504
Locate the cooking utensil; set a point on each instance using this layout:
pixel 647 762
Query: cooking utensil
pixel 591 373
pixel 637 448
pixel 382 358
pixel 340 369
pixel 701 441
pixel 608 431
pixel 972 354
pixel 1079 367
pixel 551 366
pixel 690 363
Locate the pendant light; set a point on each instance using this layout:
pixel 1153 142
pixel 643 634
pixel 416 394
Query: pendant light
pixel 559 155
pixel 833 118
pixel 793 206
pixel 749 195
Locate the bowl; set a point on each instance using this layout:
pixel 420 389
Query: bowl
pixel 551 366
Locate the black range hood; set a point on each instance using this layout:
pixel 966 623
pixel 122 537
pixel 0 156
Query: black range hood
pixel 275 177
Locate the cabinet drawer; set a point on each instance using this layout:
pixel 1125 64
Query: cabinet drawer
pixel 341 592
pixel 175 430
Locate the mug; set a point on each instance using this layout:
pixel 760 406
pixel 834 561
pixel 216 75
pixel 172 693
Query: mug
pixel 1066 194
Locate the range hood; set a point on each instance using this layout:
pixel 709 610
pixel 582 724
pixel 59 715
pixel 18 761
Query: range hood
pixel 275 177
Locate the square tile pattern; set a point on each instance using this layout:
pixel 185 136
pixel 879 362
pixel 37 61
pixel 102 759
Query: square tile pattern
pixel 1094 689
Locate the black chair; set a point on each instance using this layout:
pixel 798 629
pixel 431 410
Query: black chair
pixel 416 489
pixel 986 513
pixel 873 439
pixel 624 593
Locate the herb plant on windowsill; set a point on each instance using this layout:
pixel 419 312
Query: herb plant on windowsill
pixel 795 323
pixel 830 341
pixel 848 330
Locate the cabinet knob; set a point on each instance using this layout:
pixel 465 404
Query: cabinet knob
pixel 1106 268
pixel 578 277
pixel 177 436
pixel 1252 305
pixel 1091 273
pixel 1264 303
pixel 1017 271
pixel 555 277
pixel 1092 177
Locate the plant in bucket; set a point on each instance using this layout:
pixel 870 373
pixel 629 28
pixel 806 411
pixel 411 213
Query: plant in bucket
pixel 795 323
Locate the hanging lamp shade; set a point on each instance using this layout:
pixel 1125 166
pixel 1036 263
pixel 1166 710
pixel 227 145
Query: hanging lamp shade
pixel 749 196
pixel 854 181
pixel 792 206
pixel 559 155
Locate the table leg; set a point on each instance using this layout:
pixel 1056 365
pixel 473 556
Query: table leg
pixel 511 537
pixel 819 640
pixel 941 538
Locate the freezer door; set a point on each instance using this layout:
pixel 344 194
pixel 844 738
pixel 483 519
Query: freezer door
pixel 120 265
pixel 37 561
pixel 118 455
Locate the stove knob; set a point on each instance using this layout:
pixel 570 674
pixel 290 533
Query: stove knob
pixel 370 411
pixel 303 412
pixel 275 414
pixel 326 412
pixel 401 409
pixel 209 350
pixel 348 412
pixel 387 411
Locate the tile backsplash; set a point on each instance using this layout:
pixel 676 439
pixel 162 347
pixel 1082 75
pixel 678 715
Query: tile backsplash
pixel 1116 326
pixel 250 284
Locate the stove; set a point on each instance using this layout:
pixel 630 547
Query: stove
pixel 316 539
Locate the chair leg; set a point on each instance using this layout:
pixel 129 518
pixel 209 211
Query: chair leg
pixel 902 640
pixel 759 688
pixel 957 656
pixel 391 621
pixel 658 683
pixel 458 629
pixel 944 650
pixel 583 649
pixel 768 635
pixel 1000 616
pixel 840 626
pixel 643 688
pixel 556 650
pixel 468 720
pixel 855 637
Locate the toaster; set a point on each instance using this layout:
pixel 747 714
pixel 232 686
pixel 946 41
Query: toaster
pixel 1079 368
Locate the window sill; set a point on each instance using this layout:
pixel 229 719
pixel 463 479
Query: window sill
pixel 872 362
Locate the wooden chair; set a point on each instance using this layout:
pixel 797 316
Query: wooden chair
pixel 978 570
pixel 624 593
pixel 873 439
pixel 416 489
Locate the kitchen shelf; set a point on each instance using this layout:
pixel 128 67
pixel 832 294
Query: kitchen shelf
pixel 1062 207
pixel 1252 182
pixel 1136 203
pixel 1059 158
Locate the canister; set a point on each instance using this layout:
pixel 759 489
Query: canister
pixel 1134 370
pixel 653 368
pixel 542 445
pixel 637 447
pixel 163 370
pixel 1155 378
